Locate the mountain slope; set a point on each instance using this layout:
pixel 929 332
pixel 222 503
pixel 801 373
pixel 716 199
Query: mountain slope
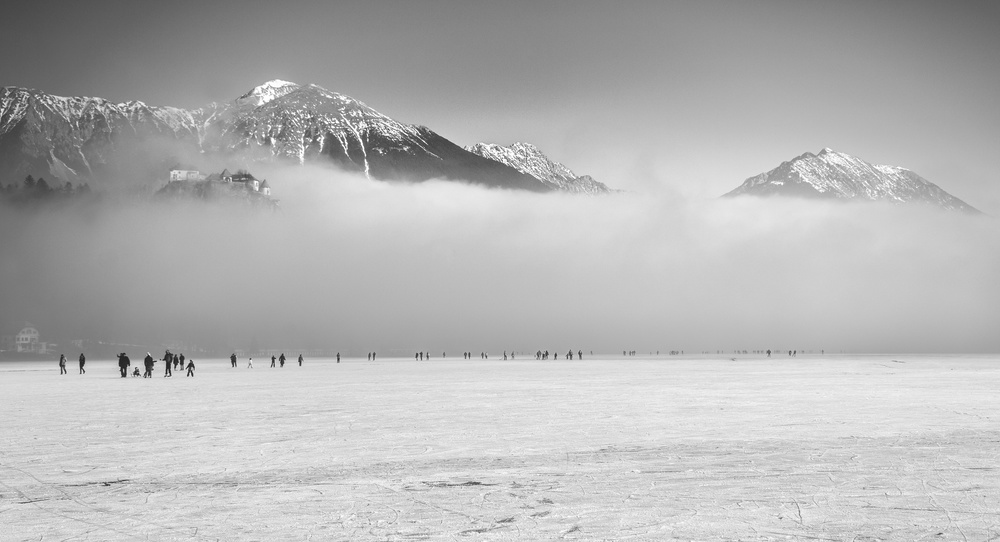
pixel 837 175
pixel 527 159
pixel 44 134
pixel 278 120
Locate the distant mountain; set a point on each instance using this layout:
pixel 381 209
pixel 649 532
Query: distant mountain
pixel 837 175
pixel 527 159
pixel 43 134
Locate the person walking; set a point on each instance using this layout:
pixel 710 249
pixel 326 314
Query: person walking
pixel 190 367
pixel 338 358
pixel 232 359
pixel 250 363
pixel 62 364
pixel 123 364
pixel 273 359
pixel 148 363
pixel 281 359
pixel 300 360
pixel 83 361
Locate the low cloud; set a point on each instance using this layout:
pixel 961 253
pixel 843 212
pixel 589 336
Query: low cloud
pixel 354 265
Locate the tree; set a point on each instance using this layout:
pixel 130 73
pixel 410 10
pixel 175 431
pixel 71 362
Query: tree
pixel 29 182
pixel 41 186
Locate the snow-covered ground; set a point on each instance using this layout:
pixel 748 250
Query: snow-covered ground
pixel 807 448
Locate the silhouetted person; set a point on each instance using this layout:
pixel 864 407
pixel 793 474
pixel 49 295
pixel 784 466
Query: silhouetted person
pixel 249 363
pixel 300 360
pixel 169 362
pixel 232 358
pixel 273 359
pixel 190 368
pixel 62 364
pixel 373 356
pixel 338 357
pixel 579 355
pixel 135 373
pixel 83 361
pixel 281 359
pixel 768 352
pixel 148 363
pixel 181 360
pixel 369 356
pixel 123 363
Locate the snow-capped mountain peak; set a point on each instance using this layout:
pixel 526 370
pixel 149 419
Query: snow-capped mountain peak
pixel 265 92
pixel 838 175
pixel 528 159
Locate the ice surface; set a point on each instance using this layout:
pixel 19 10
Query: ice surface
pixel 810 448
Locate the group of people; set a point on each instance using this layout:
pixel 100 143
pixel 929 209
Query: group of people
pixel 62 363
pixel 281 359
pixel 171 360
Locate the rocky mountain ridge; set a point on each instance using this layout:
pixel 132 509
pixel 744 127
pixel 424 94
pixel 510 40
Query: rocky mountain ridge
pixel 527 159
pixel 837 175
pixel 275 121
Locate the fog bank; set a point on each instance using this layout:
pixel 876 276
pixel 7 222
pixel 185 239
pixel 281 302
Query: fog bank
pixel 354 265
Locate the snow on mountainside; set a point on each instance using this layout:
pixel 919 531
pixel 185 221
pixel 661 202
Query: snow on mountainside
pixel 527 159
pixel 277 120
pixel 832 174
pixel 41 133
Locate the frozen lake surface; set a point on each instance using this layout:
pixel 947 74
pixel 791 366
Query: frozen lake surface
pixel 808 448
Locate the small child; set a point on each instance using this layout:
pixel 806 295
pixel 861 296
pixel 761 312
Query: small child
pixel 190 368
pixel 136 372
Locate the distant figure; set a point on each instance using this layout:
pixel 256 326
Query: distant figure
pixel 373 356
pixel 250 363
pixel 148 363
pixel 273 359
pixel 135 373
pixel 232 358
pixel 123 363
pixel 177 363
pixel 416 357
pixel 369 356
pixel 83 360
pixel 338 358
pixel 169 362
pixel 281 359
pixel 579 355
pixel 190 368
pixel 768 352
pixel 300 360
pixel 181 361
pixel 62 364
pixel 505 355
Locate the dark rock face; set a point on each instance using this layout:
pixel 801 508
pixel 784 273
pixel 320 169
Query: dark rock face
pixel 86 138
pixel 836 175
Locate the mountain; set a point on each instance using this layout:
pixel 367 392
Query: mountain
pixel 527 159
pixel 42 134
pixel 86 138
pixel 837 175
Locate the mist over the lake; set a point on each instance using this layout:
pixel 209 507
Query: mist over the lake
pixel 355 265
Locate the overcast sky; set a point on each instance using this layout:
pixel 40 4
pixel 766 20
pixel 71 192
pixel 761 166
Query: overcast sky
pixel 685 97
pixel 677 102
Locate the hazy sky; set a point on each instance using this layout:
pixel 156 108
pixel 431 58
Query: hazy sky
pixel 677 102
pixel 689 98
